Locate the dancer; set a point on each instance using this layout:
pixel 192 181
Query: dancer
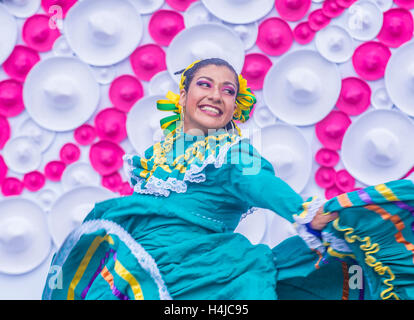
pixel 173 238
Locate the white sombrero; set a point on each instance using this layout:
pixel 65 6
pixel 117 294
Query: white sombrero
pixel 103 32
pixel 201 42
pixel 399 78
pixel 22 8
pixel 380 99
pixel 72 207
pixel 334 43
pixel 8 33
pixel 239 11
pixel 79 174
pixel 287 149
pixel 363 20
pixel 25 241
pixel 148 132
pixel 302 88
pixel 61 93
pixel 377 147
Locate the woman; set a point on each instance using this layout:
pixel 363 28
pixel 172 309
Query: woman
pixel 173 238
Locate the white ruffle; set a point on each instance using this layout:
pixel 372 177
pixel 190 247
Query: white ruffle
pixel 159 187
pixel 311 240
pixel 145 260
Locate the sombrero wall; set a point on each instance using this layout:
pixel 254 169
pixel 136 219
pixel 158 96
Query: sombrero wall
pixel 79 81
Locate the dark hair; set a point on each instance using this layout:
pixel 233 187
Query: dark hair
pixel 189 74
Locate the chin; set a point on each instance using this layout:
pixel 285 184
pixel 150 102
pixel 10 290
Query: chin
pixel 211 123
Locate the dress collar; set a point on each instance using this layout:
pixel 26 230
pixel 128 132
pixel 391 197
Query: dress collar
pixel 146 175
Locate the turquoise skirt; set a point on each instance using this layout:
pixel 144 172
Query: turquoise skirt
pixel 116 254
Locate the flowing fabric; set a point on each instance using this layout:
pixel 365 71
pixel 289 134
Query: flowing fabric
pixel 174 237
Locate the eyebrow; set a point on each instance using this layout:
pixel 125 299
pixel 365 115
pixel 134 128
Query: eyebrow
pixel 225 82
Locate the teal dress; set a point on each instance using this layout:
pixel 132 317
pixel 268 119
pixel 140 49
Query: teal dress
pixel 174 238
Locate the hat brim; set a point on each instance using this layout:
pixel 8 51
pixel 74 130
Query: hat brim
pixel 353 149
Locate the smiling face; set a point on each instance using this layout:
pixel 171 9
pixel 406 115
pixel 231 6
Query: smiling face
pixel 211 99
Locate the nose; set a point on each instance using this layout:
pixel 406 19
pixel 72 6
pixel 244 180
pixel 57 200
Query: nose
pixel 215 94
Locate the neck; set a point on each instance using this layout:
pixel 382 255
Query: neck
pixel 197 131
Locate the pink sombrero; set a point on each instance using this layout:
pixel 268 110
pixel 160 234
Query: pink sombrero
pixel 355 96
pixel 275 36
pixel 397 27
pixel 124 91
pixel 292 10
pixel 37 33
pixel 330 131
pixel 370 60
pixel 164 25
pixel 147 60
pixel 255 69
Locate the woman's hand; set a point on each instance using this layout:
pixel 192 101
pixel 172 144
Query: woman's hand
pixel 320 220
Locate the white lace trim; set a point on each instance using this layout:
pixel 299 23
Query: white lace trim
pixel 159 187
pixel 250 211
pixel 145 260
pixel 336 244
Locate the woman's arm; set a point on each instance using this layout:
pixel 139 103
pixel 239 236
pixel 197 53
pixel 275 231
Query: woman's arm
pixel 253 179
pixel 254 182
